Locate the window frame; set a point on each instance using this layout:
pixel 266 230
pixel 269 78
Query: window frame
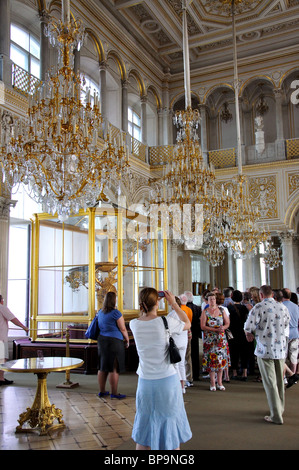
pixel 26 53
pixel 132 126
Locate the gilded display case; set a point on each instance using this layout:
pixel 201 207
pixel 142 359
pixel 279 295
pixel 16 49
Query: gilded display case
pixel 75 262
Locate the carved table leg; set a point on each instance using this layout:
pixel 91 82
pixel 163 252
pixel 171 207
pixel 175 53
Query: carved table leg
pixel 41 414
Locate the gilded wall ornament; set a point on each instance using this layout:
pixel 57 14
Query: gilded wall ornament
pixel 293 185
pixel 264 195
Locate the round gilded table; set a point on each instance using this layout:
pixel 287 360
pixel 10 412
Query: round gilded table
pixel 40 417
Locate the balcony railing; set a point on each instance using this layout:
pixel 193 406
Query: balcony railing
pixel 292 148
pixel 160 155
pixel 23 81
pixel 26 83
pixel 223 158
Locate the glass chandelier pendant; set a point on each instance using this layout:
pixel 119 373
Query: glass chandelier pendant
pixel 244 236
pixel 226 116
pixel 271 258
pixel 56 153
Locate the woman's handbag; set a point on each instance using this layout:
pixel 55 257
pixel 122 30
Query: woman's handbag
pixel 229 334
pixel 174 353
pixel 93 330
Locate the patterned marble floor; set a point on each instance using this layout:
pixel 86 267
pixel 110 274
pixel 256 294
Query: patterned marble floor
pixel 92 423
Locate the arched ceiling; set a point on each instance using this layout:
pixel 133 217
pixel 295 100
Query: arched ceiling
pixel 156 25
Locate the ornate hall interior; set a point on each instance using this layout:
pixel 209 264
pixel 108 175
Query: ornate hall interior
pixel 143 143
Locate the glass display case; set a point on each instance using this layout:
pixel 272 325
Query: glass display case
pixel 76 262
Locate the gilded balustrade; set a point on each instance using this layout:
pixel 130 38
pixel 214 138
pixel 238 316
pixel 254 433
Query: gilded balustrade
pixel 23 81
pixel 292 148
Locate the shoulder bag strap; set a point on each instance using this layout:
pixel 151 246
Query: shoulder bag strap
pixel 165 322
pixel 166 325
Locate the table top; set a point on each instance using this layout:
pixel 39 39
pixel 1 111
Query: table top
pixel 46 364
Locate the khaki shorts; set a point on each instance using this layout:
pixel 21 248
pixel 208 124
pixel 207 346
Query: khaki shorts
pixel 292 354
pixel 3 351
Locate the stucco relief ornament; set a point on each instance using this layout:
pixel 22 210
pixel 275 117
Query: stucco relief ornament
pixel 223 7
pixel 259 134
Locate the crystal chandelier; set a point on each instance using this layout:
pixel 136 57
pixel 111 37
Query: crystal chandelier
pixel 214 253
pixel 226 115
pixel 261 107
pixel 242 234
pixel 55 153
pixel 271 258
pixel 187 178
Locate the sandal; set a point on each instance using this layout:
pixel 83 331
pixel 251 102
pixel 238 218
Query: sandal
pixel 270 420
pixel 213 389
pixel 220 387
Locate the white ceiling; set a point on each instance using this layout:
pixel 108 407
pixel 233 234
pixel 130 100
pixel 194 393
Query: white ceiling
pixel 156 25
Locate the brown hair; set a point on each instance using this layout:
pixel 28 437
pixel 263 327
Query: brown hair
pixel 219 298
pixel 211 294
pixel 109 302
pixel 148 297
pixel 286 293
pixel 266 290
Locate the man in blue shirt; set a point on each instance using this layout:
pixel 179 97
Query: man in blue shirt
pixel 227 292
pixel 293 343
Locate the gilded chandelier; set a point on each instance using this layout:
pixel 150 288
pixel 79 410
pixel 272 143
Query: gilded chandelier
pixel 187 178
pixel 239 230
pixel 55 153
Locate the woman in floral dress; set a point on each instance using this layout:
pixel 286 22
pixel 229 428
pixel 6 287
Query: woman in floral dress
pixel 214 322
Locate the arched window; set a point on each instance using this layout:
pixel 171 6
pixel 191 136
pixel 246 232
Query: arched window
pixel 25 50
pixel 134 124
pixel 93 87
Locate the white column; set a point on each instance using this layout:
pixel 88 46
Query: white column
pixel 203 133
pixel 103 89
pixel 5 205
pixel 231 269
pixel 143 120
pixel 280 144
pixel 279 120
pixel 247 269
pixel 256 270
pixel 5 67
pixel 124 105
pixel 160 126
pixel 289 280
pixel 173 283
pixel 167 117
